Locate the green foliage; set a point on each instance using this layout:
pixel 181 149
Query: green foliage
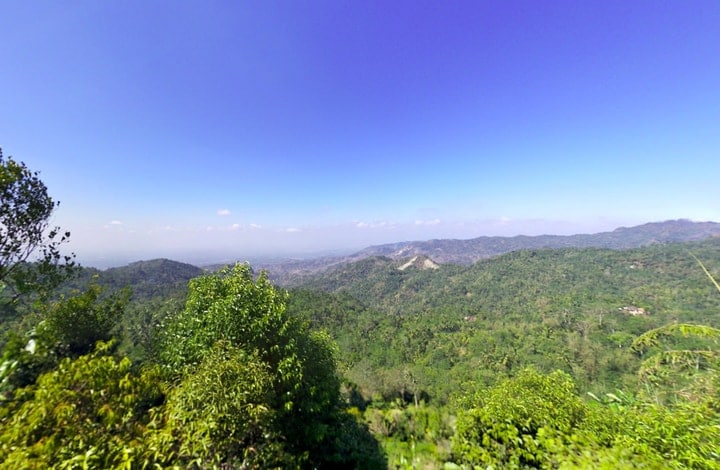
pixel 707 273
pixel 72 325
pixel 632 433
pixel 222 414
pixel 686 435
pixel 250 314
pixel 91 412
pixel 351 445
pixel 429 332
pixel 152 279
pixel 537 421
pixel 141 327
pixel 25 232
pixel 243 385
pixel 513 423
pixel 230 306
pixel 413 436
pixel 295 400
pixel 157 290
pixel 655 337
pixel 68 327
pixel 21 364
pixel 677 357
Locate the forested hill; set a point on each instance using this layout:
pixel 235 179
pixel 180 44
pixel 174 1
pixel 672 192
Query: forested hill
pixel 572 309
pixel 147 279
pixel 466 252
pixel 661 278
pixel 409 333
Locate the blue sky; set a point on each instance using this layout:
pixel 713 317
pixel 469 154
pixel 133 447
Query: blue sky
pixel 202 130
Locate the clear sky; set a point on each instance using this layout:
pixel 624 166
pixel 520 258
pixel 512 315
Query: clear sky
pixel 201 130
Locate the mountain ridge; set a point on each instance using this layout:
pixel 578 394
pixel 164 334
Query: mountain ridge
pixel 463 252
pixel 468 251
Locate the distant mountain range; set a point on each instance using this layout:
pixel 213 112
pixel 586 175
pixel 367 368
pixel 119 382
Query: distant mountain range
pixel 146 276
pixel 467 252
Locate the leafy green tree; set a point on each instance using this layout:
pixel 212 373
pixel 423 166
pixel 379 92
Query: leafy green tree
pixel 141 326
pixel 515 423
pixel 298 400
pixel 67 327
pixel 90 412
pixel 230 305
pixel 26 234
pixel 72 325
pixel 222 415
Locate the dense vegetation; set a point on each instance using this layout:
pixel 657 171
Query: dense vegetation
pixel 432 337
pixel 235 382
pixel 577 310
pixel 570 358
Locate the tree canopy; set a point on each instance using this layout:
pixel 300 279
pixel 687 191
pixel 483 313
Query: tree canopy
pixel 234 345
pixel 25 231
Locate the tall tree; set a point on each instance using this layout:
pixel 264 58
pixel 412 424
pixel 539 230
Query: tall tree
pixel 234 347
pixel 26 234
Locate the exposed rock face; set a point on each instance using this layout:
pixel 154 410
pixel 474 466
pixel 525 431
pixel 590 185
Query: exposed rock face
pixel 419 262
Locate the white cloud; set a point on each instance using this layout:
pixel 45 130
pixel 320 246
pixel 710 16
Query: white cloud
pixel 293 230
pixel 428 222
pixel 255 226
pixel 371 224
pixel 223 212
pixel 114 224
pixel 235 227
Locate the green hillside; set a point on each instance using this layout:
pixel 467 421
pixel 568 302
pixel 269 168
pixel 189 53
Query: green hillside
pixel 574 309
pixel 146 279
pixel 557 358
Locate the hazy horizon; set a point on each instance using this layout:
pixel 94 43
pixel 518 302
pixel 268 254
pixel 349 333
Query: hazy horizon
pixel 203 258
pixel 261 129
